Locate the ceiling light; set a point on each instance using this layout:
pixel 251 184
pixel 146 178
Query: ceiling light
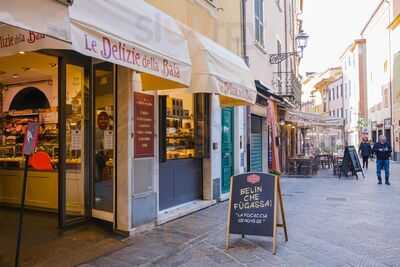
pixel 15 76
pixel 21 52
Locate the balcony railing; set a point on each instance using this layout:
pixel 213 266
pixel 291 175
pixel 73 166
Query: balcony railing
pixel 287 84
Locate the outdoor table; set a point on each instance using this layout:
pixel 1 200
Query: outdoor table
pixel 298 162
pixel 325 160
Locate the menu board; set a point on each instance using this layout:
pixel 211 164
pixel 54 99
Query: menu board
pixel 351 162
pixel 252 204
pixel 143 125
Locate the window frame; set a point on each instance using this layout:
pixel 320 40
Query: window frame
pixel 259 24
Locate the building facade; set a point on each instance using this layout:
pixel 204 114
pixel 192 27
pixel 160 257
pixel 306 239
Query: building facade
pixel 136 132
pixel 271 28
pixel 378 70
pixel 352 91
pixel 394 33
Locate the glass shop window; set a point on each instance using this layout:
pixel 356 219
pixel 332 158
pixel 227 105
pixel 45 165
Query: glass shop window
pixel 180 127
pixel 183 126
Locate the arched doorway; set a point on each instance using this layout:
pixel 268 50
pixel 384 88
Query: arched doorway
pixel 29 98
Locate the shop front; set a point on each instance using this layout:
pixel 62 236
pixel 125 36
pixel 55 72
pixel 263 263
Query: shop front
pixel 75 73
pixel 201 139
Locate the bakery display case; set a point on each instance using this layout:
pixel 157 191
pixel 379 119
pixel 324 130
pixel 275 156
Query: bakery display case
pixel 180 143
pixel 12 130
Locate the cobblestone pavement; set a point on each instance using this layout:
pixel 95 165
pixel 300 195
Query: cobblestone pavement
pixel 331 222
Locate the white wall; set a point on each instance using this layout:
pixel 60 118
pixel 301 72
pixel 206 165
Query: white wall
pixel 377 38
pixel 274 29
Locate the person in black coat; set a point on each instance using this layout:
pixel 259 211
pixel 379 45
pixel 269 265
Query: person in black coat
pixel 383 152
pixel 365 151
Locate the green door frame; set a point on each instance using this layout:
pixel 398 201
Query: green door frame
pixel 225 151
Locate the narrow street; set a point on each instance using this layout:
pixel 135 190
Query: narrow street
pixel 331 222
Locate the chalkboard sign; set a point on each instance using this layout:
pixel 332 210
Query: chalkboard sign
pixel 351 162
pixel 253 206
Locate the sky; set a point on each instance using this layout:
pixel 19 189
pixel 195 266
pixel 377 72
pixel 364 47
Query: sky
pixel 332 25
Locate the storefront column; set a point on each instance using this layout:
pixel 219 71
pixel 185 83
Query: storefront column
pixel 265 145
pixel 212 166
pixel 239 140
pixel 145 170
pixel 124 149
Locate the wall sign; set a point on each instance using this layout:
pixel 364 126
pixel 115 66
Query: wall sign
pixel 253 206
pixel 144 125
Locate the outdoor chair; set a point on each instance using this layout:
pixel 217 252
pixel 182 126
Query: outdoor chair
pixel 337 166
pixel 315 165
pixel 325 162
pixel 292 168
pixel 306 168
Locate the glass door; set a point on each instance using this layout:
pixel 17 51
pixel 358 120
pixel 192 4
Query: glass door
pixel 103 141
pixel 74 129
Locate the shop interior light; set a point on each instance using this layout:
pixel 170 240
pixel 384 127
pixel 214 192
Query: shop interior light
pixel 282 122
pixel 15 76
pixel 21 52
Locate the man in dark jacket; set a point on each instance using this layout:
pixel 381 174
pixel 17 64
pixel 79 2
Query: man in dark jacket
pixel 365 150
pixel 382 151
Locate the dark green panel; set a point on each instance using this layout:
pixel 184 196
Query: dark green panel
pixel 227 148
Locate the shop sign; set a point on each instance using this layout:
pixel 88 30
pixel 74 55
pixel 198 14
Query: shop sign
pixel 103 120
pixel 31 138
pixel 104 47
pixel 144 125
pixel 14 40
pixel 387 123
pixel 232 90
pixel 253 205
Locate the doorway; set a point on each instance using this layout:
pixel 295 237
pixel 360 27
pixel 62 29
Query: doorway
pixel 74 139
pixel 103 141
pixel 227 148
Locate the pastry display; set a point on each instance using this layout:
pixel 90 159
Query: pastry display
pixel 180 130
pixel 12 131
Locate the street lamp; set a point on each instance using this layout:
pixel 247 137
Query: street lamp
pixel 301 42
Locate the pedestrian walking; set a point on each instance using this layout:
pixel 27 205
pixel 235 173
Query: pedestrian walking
pixel 382 151
pixel 365 151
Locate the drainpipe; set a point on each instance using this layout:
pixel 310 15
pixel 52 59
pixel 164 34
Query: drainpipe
pixel 344 121
pixel 286 47
pixel 243 28
pixel 392 137
pixel 243 20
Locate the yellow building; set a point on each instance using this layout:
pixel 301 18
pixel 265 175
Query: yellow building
pixel 217 20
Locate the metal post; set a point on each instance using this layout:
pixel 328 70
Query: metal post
pixel 21 212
